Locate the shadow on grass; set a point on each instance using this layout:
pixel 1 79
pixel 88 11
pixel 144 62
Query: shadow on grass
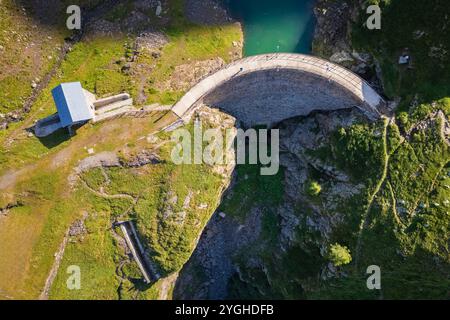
pixel 55 139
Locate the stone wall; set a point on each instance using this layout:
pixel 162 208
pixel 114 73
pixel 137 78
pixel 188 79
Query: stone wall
pixel 269 96
pixel 270 88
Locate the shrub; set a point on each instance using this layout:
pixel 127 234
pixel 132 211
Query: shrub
pixel 313 188
pixel 403 118
pixel 339 255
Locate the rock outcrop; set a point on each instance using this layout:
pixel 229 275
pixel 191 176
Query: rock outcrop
pixel 231 250
pixel 332 39
pixel 208 12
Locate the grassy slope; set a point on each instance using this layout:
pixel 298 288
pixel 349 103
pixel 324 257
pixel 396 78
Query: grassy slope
pixel 170 240
pixel 410 245
pixel 187 44
pixel 42 166
pixel 423 238
pixel 29 52
pixel 407 226
pixel 31 46
pixel 49 206
pixel 410 214
pixel 401 19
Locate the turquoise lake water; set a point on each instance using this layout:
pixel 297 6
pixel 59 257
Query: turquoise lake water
pixel 275 26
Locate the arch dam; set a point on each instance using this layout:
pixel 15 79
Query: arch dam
pixel 270 88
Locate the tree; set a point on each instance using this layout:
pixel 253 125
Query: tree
pixel 313 188
pixel 339 255
pixel 403 118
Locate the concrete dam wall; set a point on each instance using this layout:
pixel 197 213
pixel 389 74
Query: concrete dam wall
pixel 267 89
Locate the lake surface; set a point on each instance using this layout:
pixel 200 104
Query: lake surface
pixel 275 26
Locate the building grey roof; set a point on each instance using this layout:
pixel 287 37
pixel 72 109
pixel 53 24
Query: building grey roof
pixel 72 105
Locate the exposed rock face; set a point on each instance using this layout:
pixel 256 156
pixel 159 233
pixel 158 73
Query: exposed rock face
pixel 187 75
pixel 297 139
pixel 229 247
pixel 111 159
pixel 142 159
pixel 5 211
pixel 103 159
pixel 333 21
pixel 137 20
pixel 102 27
pixel 77 228
pixel 332 39
pixel 150 40
pixel 221 239
pixel 209 12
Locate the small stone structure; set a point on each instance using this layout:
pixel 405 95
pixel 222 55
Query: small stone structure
pixel 137 250
pixel 269 88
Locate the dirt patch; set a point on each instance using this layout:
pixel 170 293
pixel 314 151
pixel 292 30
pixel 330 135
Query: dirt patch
pixel 9 179
pixel 166 285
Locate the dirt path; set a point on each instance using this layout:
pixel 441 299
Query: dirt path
pixel 166 285
pixel 16 262
pixel 394 204
pixel 54 270
pixel 60 253
pixel 58 258
pixel 9 179
pixel 108 196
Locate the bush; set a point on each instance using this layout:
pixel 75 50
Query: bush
pixel 358 150
pixel 403 118
pixel 313 188
pixel 339 255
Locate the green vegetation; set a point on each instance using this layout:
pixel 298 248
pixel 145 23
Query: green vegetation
pixel 358 150
pixel 23 62
pixel 313 188
pixel 339 255
pixel 94 64
pixel 419 29
pixel 188 43
pixel 399 220
pixel 167 226
pixel 98 63
pixel 252 188
pixel 50 204
pixel 407 225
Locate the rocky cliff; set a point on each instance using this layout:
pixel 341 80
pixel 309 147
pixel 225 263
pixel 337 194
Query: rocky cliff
pixel 241 252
